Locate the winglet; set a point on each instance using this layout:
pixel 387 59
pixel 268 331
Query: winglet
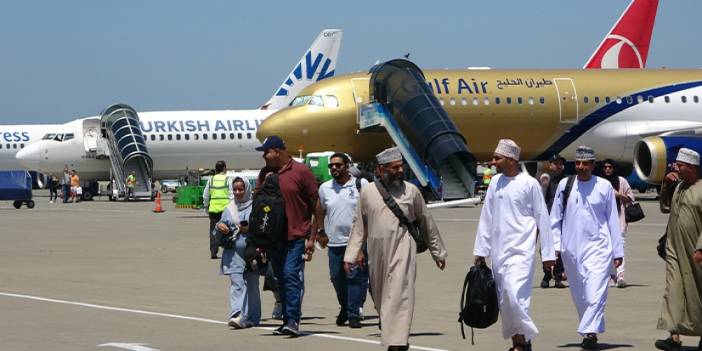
pixel 317 63
pixel 627 43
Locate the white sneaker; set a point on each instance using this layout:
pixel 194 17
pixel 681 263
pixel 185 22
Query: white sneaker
pixel 237 322
pixel 277 311
pixel 51 201
pixel 621 283
pixel 360 314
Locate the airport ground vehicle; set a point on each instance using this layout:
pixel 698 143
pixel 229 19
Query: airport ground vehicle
pixel 16 186
pixel 169 185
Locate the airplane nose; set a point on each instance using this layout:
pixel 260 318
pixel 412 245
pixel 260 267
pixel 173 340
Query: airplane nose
pixel 276 124
pixel 30 156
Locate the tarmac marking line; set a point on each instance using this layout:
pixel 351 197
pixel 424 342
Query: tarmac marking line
pixel 197 319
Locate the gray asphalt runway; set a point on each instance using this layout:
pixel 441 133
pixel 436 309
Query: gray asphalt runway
pixel 77 276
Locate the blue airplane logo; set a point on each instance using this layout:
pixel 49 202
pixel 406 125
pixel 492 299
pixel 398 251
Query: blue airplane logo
pixel 310 69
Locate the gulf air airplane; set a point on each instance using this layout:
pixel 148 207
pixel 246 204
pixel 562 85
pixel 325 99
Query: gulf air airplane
pixel 544 111
pixel 177 140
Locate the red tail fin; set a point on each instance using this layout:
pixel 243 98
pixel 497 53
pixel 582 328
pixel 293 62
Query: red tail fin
pixel 626 45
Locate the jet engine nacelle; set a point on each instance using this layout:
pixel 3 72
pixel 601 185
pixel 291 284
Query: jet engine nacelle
pixel 654 155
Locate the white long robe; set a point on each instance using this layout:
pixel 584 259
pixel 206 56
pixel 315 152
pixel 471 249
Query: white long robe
pixel 514 208
pixel 392 254
pixel 589 238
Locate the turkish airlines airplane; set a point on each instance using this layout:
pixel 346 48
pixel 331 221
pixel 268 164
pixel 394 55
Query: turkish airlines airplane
pixel 177 140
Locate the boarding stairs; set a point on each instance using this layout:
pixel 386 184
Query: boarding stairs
pixel 125 141
pixel 405 107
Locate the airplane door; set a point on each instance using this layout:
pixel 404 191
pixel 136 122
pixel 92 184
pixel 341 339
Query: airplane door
pixel 361 87
pixel 567 100
pixel 91 132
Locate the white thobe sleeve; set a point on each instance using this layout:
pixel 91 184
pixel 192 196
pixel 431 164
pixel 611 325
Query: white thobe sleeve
pixel 612 216
pixel 540 213
pixel 482 238
pixel 557 214
pixel 359 231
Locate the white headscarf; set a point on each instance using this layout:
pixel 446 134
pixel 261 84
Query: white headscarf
pixel 246 201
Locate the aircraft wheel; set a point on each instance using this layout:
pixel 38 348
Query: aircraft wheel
pixel 17 204
pixel 87 196
pixel 30 204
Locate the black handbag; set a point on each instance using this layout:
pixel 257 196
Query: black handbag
pixel 412 228
pixel 633 212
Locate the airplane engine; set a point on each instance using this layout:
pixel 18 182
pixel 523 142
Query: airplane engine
pixel 653 155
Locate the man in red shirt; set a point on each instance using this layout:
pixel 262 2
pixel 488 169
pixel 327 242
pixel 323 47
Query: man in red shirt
pixel 299 190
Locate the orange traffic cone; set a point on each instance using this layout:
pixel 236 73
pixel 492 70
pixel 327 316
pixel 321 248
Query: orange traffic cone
pixel 158 208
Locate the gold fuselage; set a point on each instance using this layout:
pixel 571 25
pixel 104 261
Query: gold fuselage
pixel 544 105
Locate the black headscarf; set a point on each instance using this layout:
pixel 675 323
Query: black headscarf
pixel 613 179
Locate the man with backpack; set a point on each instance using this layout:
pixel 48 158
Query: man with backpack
pixel 585 226
pixel 298 187
pixel 384 213
pixel 337 204
pixel 513 209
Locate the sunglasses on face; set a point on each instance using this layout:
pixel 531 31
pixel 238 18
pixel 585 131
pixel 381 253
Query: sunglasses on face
pixel 607 166
pixel 337 165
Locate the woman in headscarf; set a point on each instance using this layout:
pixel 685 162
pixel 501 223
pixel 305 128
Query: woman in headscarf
pixel 244 296
pixel 624 195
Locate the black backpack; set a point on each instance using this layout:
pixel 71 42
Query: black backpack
pixel 479 306
pixel 267 221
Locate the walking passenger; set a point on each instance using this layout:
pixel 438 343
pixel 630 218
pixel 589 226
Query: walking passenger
pixel 681 196
pixel 75 184
pixel 216 196
pixel 53 192
pixel 244 296
pixel 65 184
pixel 392 252
pixel 624 196
pixel 299 190
pixel 337 205
pixel 514 208
pixel 587 234
pixel 556 165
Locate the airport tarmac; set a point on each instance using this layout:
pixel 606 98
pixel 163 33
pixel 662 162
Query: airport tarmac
pixel 113 275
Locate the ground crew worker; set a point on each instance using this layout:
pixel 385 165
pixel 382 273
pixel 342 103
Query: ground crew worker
pixel 131 182
pixel 216 196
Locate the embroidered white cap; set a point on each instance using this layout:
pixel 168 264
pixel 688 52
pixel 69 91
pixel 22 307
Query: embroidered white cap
pixel 508 148
pixel 688 156
pixel 388 155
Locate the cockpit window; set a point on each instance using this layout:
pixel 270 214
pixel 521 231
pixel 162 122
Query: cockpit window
pixel 67 136
pixel 58 137
pixel 331 101
pixel 49 136
pixel 316 101
pixel 300 100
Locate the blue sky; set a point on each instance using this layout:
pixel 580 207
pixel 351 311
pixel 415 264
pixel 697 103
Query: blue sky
pixel 62 60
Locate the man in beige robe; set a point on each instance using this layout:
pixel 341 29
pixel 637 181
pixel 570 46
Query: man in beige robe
pixel 682 299
pixel 392 252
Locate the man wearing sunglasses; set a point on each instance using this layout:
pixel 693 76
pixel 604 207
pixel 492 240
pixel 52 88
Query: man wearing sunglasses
pixel 337 203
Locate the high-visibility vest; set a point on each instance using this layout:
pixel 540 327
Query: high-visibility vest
pixel 219 193
pixel 131 181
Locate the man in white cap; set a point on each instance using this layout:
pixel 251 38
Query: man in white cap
pixel 681 196
pixel 392 251
pixel 514 208
pixel 585 225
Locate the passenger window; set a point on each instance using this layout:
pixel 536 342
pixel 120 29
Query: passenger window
pixel 683 99
pixel 464 101
pixel 441 101
pixel 14 146
pixel 452 101
pixel 153 137
pixel 519 100
pixel 160 137
pixel 197 136
pixel 214 136
pixel 21 146
pixel 666 99
pixel 696 99
pixel 497 100
pixel 597 99
pixel 650 98
pixel 170 137
pixel 330 101
pixel 177 136
pixel 629 100
pixel 223 136
pixel 531 100
pixel 475 101
pixel 486 100
pixel 619 100
pixel 204 136
pixel 239 136
pixel 509 100
pixel 231 136
pixel 248 135
pixel 586 99
pixel 7 146
pixel 639 99
pixel 187 136
pixel 607 99
pixel 542 100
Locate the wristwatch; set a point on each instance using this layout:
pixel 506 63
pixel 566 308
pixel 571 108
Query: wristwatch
pixel 321 231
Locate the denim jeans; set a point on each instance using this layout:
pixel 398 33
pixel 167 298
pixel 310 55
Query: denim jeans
pixel 66 189
pixel 289 268
pixel 350 288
